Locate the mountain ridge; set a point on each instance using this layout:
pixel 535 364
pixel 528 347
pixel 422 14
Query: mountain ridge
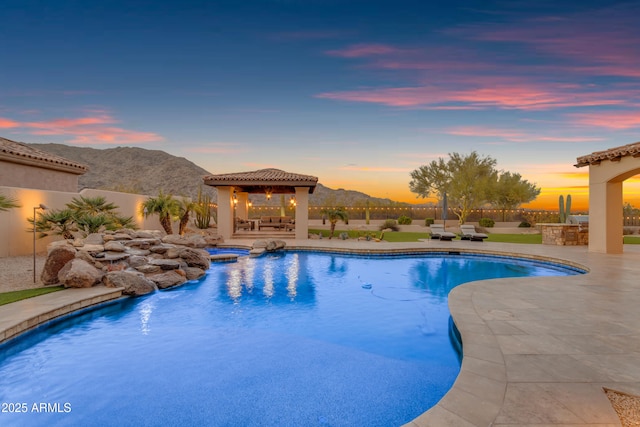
pixel 144 171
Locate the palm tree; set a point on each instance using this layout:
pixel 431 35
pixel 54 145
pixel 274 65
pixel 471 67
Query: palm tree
pixel 7 203
pixel 165 206
pixel 185 207
pixel 92 206
pixel 334 215
pixel 55 222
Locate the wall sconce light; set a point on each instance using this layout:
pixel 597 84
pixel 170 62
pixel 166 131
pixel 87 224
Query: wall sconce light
pixel 268 191
pixel 35 226
pixel 293 201
pixel 250 203
pixel 235 199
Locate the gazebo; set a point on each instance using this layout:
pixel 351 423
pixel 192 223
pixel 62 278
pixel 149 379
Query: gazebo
pixel 234 189
pixel 608 169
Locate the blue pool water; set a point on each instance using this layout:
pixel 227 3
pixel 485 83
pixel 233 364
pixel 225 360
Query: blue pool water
pixel 295 339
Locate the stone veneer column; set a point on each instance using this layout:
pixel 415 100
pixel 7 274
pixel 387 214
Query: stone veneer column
pixel 302 213
pixel 225 212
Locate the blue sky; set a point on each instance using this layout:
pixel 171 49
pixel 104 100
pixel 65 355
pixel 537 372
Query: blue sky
pixel 358 93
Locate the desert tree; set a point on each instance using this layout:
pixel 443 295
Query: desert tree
pixel 334 215
pixel 510 191
pixel 466 179
pixel 165 206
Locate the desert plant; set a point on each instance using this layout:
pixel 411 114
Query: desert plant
pixel 404 220
pixel 391 224
pixel 524 224
pixel 343 235
pixel 429 221
pixel 564 212
pixel 334 215
pixel 486 222
pixel 203 210
pixel 7 203
pixel 185 207
pixel 54 222
pixel 165 206
pixel 88 224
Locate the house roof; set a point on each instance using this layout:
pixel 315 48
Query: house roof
pixel 17 152
pixel 278 181
pixel 612 154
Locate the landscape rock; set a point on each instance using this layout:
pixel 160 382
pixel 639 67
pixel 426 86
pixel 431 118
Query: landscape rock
pixel 255 252
pixel 134 284
pixel 94 239
pixel 58 257
pixel 137 260
pixel 196 258
pixel 194 273
pixel 78 273
pixel 165 264
pixel 114 246
pixel 168 279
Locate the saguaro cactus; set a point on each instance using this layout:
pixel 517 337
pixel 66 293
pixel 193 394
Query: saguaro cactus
pixel 564 212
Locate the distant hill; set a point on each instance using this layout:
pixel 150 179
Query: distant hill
pixel 142 171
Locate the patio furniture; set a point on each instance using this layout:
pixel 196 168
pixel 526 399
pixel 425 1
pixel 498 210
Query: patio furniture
pixel 438 232
pixel 468 232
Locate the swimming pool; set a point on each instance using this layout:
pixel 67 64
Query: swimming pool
pixel 289 339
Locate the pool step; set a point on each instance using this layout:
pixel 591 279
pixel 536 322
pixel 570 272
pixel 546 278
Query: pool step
pixel 224 258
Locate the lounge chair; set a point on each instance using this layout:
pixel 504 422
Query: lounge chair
pixel 468 232
pixel 438 232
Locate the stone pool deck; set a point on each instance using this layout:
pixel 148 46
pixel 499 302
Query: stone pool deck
pixel 537 351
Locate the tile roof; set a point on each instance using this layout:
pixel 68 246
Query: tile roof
pixel 18 152
pixel 252 180
pixel 612 154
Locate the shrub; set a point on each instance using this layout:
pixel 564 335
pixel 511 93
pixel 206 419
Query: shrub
pixel 486 222
pixel 429 221
pixel 390 223
pixel 628 231
pixel 404 220
pixel 524 224
pixel 343 235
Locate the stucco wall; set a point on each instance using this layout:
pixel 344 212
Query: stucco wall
pixel 16 233
pixel 34 177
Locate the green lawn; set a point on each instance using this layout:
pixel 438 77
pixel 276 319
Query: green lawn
pixel 8 297
pixel 632 240
pixel 405 236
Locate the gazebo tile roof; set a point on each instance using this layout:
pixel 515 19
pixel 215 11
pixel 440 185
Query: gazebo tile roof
pixel 19 152
pixel 275 175
pixel 611 154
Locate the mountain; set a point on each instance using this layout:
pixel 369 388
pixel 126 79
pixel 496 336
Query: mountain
pixel 142 171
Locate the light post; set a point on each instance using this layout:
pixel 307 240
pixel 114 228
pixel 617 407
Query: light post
pixel 44 208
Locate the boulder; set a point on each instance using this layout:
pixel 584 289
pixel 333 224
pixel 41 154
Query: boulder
pixel 159 249
pixel 256 252
pixel 92 248
pixel 190 240
pixel 172 252
pixel 168 279
pixel 114 246
pixel 94 239
pixel 133 283
pixel 57 258
pixel 137 252
pixel 259 244
pixel 196 258
pixel 148 268
pixel 137 260
pixel 79 274
pixel 165 264
pixel 194 273
pixel 121 236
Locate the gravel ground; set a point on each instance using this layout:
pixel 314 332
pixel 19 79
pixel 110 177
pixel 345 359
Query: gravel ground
pixel 16 273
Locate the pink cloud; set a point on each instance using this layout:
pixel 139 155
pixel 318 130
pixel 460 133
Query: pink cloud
pixel 364 50
pixel 85 130
pixel 514 135
pixel 8 123
pixel 484 92
pixel 609 120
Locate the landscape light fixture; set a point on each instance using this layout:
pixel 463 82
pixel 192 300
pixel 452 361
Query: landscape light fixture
pixel 35 222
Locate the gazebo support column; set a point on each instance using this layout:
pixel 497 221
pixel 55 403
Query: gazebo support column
pixel 242 208
pixel 302 213
pixel 225 212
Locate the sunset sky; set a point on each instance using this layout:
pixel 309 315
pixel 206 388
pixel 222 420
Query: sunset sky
pixel 358 92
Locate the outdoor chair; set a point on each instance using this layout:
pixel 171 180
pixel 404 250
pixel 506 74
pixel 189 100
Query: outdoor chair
pixel 438 232
pixel 468 232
